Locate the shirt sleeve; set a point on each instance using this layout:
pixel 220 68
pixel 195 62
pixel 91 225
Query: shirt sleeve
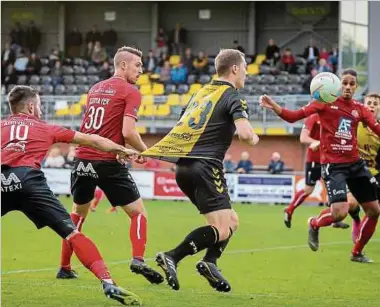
pixel 293 116
pixel 369 119
pixel 61 135
pixel 237 107
pixel 132 103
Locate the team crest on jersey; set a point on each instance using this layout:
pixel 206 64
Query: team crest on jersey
pixel 355 113
pixel 86 170
pixel 10 184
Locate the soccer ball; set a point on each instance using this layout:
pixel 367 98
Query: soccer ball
pixel 325 87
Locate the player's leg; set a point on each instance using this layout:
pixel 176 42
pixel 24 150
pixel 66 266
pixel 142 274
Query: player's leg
pixel 121 190
pixel 98 196
pixel 354 212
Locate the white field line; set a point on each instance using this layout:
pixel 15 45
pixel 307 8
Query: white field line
pixel 238 251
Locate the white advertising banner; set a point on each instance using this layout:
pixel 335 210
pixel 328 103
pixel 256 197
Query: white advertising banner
pixel 145 182
pixel 58 180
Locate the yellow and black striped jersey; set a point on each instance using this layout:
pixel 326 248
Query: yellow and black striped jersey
pixel 206 128
pixel 369 148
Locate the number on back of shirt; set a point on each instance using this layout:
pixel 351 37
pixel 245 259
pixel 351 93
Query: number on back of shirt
pixel 94 118
pixel 19 132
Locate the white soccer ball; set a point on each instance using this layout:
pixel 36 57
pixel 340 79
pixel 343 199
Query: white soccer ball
pixel 325 87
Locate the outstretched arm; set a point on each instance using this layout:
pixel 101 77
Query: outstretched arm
pixel 369 119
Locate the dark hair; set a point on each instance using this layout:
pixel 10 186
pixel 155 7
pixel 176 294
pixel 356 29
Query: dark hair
pixel 19 95
pixel 351 72
pixel 373 95
pixel 226 58
pixel 132 50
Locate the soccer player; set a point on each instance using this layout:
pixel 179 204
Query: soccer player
pixel 369 151
pixel 111 112
pixel 25 140
pixel 341 164
pixel 197 144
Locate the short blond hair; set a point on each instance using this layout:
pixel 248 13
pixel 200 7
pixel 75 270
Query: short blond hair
pixel 132 50
pixel 226 58
pixel 121 56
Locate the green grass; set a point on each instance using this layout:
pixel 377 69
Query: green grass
pixel 266 264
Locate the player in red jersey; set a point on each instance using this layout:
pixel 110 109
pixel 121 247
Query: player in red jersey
pixel 341 163
pixel 25 140
pixel 111 112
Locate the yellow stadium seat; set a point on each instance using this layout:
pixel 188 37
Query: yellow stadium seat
pixel 185 99
pixel 62 112
pixel 83 100
pixel 146 89
pixel 259 59
pixel 150 110
pixel 253 69
pixel 173 100
pixel 141 111
pixel 194 88
pixel 163 110
pixel 143 79
pixel 147 100
pixel 158 89
pixel 76 109
pixel 174 60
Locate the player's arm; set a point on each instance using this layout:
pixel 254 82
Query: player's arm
pixel 305 134
pixel 130 134
pixel 245 132
pixel 305 137
pixel 369 119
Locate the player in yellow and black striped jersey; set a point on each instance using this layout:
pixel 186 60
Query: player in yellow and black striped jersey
pixel 369 150
pixel 197 144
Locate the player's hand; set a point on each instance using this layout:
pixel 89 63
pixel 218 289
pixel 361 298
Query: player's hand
pixel 141 159
pixel 315 145
pixel 125 155
pixel 267 102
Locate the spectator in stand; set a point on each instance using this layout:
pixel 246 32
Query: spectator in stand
pixel 105 71
pixel 55 55
pixel 245 165
pixel 162 43
pixel 54 159
pixel 306 84
pixel 323 66
pixel 200 63
pixel 165 72
pixel 74 42
pixel 164 57
pixel 18 37
pixel 188 60
pixel 89 50
pixel 69 159
pixel 33 37
pixel 21 63
pixel 272 53
pixel 99 55
pixel 152 164
pixel 333 59
pixel 237 46
pixel 229 166
pixel 178 39
pixel 109 41
pixel 324 54
pixel 150 62
pixel 34 65
pixel 56 73
pixel 276 166
pixel 178 74
pixel 8 56
pixel 288 62
pixel 93 35
pixel 10 76
pixel 311 54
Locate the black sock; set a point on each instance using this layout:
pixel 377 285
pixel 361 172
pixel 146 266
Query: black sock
pixel 195 241
pixel 214 252
pixel 355 214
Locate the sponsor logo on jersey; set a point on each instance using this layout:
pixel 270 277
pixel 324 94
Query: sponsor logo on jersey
pixel 10 184
pixel 355 113
pixel 344 128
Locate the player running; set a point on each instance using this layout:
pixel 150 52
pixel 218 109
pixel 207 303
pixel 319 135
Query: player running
pixel 25 140
pixel 197 144
pixel 369 151
pixel 341 164
pixel 111 112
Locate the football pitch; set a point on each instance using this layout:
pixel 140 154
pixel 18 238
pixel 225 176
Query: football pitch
pixel 266 263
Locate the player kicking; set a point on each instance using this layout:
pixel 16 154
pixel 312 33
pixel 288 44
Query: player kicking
pixel 25 140
pixel 111 112
pixel 197 144
pixel 369 150
pixel 310 135
pixel 341 164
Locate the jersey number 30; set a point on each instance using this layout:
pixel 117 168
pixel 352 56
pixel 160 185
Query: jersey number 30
pixel 95 118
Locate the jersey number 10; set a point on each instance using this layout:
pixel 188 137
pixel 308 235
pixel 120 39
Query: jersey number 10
pixel 95 118
pixel 19 132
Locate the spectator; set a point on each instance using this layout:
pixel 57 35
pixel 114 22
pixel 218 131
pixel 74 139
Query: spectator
pixel 276 166
pixel 311 54
pixel 324 54
pixel 150 62
pixel 228 165
pixel 21 63
pixel 33 37
pixel 10 76
pixel 56 54
pixel 105 72
pixel 288 61
pixel 333 59
pixel 178 74
pixel 54 159
pixel 165 73
pixel 178 39
pixel 188 60
pixel 152 164
pixel 245 165
pixel 56 73
pixel 323 66
pixel 18 36
pixel 237 46
pixel 74 42
pixel 34 65
pixel 89 50
pixel 98 55
pixel 93 35
pixel 164 57
pixel 272 53
pixel 109 41
pixel 69 159
pixel 306 84
pixel 162 43
pixel 200 63
pixel 8 56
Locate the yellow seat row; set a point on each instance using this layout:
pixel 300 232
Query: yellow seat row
pixel 160 110
pixel 158 89
pixel 74 110
pixel 172 100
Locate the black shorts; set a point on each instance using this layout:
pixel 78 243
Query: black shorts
pixel 354 176
pixel 204 183
pixel 110 176
pixel 312 173
pixel 25 189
